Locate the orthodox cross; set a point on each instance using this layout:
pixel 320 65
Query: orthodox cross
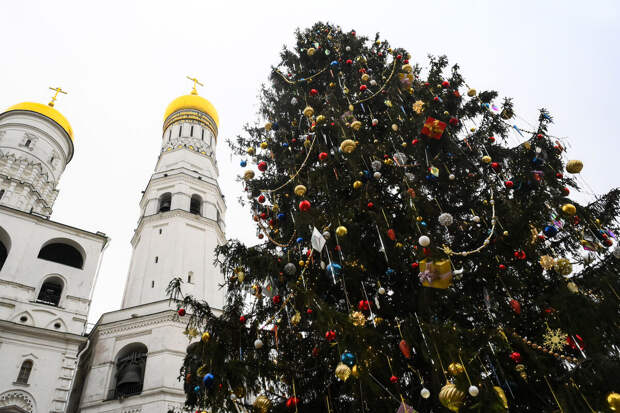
pixel 196 82
pixel 57 90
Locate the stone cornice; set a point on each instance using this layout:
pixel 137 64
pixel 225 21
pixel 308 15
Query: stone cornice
pixel 129 324
pixel 26 330
pixel 17 285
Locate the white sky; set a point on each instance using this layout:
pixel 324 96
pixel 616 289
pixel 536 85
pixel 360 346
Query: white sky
pixel 123 62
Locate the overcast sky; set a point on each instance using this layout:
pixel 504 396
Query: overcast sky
pixel 123 62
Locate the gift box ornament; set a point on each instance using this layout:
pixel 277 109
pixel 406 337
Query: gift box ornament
pixel 433 128
pixel 437 274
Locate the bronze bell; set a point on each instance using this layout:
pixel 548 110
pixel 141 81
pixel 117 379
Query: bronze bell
pixel 130 375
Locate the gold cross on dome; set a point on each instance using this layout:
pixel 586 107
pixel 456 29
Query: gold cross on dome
pixel 196 82
pixel 57 90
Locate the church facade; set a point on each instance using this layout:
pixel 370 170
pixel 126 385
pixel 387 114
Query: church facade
pixel 129 361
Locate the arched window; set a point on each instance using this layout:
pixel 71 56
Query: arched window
pixel 51 291
pixel 1 193
pixel 62 253
pixel 5 246
pixel 130 365
pixel 195 205
pixel 165 200
pixel 24 372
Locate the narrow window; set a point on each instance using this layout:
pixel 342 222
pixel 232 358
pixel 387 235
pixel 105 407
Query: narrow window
pixel 169 134
pixel 164 202
pixel 152 284
pixel 202 134
pixel 191 131
pixel 50 292
pixel 156 260
pixel 180 129
pixel 1 193
pixel 24 372
pixel 52 159
pixel 160 230
pixel 189 277
pixel 195 204
pixel 28 142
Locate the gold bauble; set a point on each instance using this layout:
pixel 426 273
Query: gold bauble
pixel 206 336
pixel 563 266
pixel 355 371
pixel 358 319
pixel 569 209
pixel 486 159
pixel 471 93
pixel 451 397
pixel 241 276
pixel 505 233
pixel 572 287
pixel 407 68
pixel 308 111
pixel 268 126
pixel 311 51
pixel 501 395
pixel 365 77
pixel 307 144
pixel 250 151
pixel 296 318
pixel 613 400
pixel 456 368
pixel 574 166
pixel 320 119
pixel 394 127
pixel 357 184
pixel 547 262
pixel 351 108
pixel 343 372
pixel 300 190
pixel 341 231
pixel 388 103
pixel 332 84
pixel 262 403
pixel 263 145
pixel 356 125
pixel 301 263
pixel 347 146
pixel 249 174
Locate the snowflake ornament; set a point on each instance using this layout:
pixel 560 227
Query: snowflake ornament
pixel 555 340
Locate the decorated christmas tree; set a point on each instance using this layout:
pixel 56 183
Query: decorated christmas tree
pixel 418 250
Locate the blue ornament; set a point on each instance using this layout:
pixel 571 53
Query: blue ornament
pixel 299 240
pixel 208 380
pixel 243 163
pixel 334 63
pixel 285 145
pixel 538 161
pixel 281 216
pixel 348 358
pixel 334 269
pixel 550 231
pixel 423 223
pixel 275 126
pixel 389 271
pixel 197 389
pixel 302 80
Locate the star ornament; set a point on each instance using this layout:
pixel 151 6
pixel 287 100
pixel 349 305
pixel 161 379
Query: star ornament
pixel 555 340
pixel 418 107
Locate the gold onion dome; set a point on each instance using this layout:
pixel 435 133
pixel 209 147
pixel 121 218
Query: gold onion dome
pixel 185 107
pixel 46 110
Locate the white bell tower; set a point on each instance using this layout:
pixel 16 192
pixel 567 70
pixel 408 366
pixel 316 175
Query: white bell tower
pixel 136 352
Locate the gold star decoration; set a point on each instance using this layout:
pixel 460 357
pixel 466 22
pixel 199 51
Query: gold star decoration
pixel 555 340
pixel 418 107
pixel 357 318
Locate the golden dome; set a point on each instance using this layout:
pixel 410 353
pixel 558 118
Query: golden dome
pixel 193 101
pixel 47 111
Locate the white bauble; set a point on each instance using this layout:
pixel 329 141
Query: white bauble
pixel 377 175
pixel 373 82
pixel 425 393
pixel 327 235
pixel 473 391
pixel 446 219
pixel 476 219
pixel 424 241
pixel 258 344
pixel 451 177
pixel 381 290
pixel 348 48
pixel 376 165
pixel 294 101
pixel 375 122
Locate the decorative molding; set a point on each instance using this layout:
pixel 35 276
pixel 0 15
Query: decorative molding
pixel 134 335
pixel 17 398
pixel 79 299
pixel 17 285
pixel 132 324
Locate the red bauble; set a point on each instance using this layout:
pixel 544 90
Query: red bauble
pixel 242 319
pixel 502 267
pixel 261 198
pixel 516 357
pixel 559 175
pixel 445 83
pixel 399 56
pixel 436 98
pixel 404 348
pixel 314 92
pixel 394 379
pixel 262 166
pixel 330 335
pixel 415 265
pixel 520 255
pixel 406 61
pixel 491 139
pixel 413 142
pixel 509 184
pixel 309 311
pixel 565 191
pixel 181 312
pixel 495 166
pixel 371 205
pixel 304 205
pixel 453 121
pixel 363 88
pixel 294 140
pixel 292 402
pixel 276 299
pixel 322 156
pixel 363 305
pixel 353 33
pixel 391 234
pixel 263 215
pixel 515 305
pixel 539 136
pixel 349 61
pixel 456 93
pixel 261 236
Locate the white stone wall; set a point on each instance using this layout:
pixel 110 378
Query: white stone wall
pixel 34 152
pixel 47 335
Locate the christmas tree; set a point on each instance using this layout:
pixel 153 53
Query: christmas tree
pixel 419 250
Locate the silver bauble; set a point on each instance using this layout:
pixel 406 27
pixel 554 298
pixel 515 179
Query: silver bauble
pixel 446 219
pixel 290 269
pixel 425 393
